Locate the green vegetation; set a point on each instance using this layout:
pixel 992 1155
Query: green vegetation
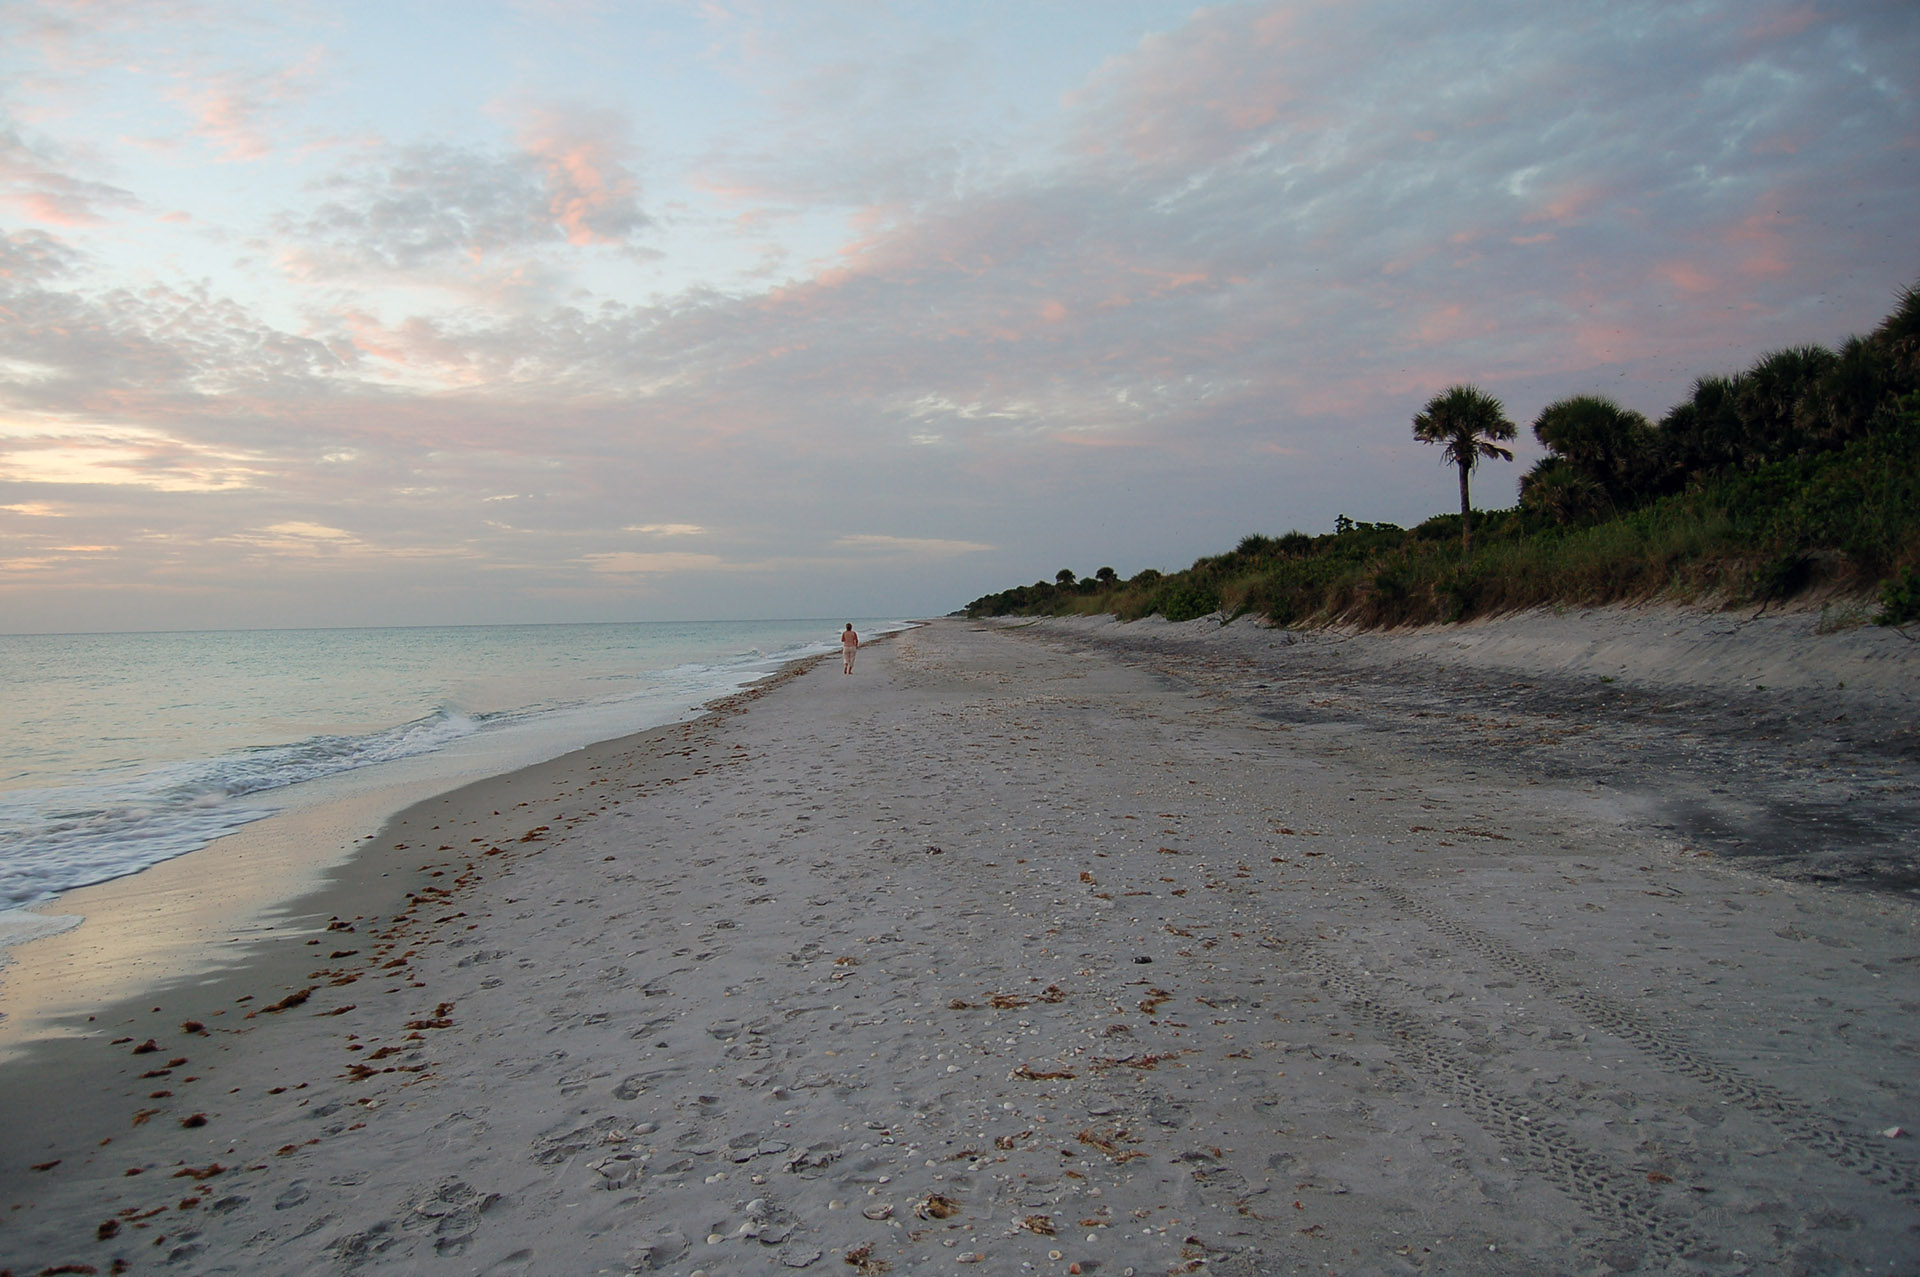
pixel 1801 473
pixel 1900 599
pixel 1465 423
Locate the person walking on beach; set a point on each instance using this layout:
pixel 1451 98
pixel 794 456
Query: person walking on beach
pixel 849 644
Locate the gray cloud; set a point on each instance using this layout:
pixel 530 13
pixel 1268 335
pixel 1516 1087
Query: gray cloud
pixel 31 259
pixel 1311 216
pixel 35 181
pixel 123 354
pixel 427 204
pixel 433 206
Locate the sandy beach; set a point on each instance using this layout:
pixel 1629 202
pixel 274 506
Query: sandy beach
pixel 1579 943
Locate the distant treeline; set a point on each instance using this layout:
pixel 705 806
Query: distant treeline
pixel 1801 473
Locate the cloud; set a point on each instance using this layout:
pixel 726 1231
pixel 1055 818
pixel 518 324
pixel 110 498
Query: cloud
pixel 591 195
pixel 34 183
pixel 312 532
pixel 668 529
pixel 33 259
pixel 116 456
pixel 908 547
pixel 84 35
pixel 436 207
pixel 311 543
pixel 74 351
pixel 427 205
pixel 632 563
pixel 241 112
pixel 1229 80
pixel 231 119
pixel 858 110
pixel 301 538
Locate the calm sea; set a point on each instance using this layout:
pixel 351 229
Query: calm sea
pixel 118 751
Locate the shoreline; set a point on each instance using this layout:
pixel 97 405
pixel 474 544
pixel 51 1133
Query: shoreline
pixel 125 774
pixel 1014 950
pixel 66 1073
pixel 373 880
pixel 200 913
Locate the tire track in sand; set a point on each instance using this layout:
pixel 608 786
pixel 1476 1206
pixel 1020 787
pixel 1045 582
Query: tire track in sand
pixel 1526 1132
pixel 1792 1118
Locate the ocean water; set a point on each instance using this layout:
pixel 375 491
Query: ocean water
pixel 118 751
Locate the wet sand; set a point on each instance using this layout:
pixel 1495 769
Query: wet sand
pixel 1056 948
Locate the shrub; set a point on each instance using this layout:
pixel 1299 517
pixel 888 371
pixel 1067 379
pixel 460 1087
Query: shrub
pixel 1900 599
pixel 1187 600
pixel 1781 577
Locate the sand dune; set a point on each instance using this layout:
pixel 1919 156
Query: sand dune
pixel 1060 948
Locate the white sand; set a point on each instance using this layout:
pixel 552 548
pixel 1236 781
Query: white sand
pixel 1024 950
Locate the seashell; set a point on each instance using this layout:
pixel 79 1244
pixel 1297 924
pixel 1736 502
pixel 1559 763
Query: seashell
pixel 937 1207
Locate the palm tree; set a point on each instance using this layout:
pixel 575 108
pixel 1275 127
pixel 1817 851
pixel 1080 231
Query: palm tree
pixel 1464 422
pixel 1611 448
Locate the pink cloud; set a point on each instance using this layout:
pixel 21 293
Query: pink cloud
pixel 1198 94
pixel 370 337
pixel 56 210
pixel 229 120
pixel 238 112
pixel 1168 281
pixel 732 190
pixel 32 180
pixel 415 344
pixel 1788 143
pixel 1684 276
pixel 1761 241
pixel 1604 343
pixel 1447 323
pixel 1785 25
pixel 591 194
pixel 1569 204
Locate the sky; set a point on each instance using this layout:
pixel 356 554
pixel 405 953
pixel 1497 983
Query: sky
pixel 571 310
